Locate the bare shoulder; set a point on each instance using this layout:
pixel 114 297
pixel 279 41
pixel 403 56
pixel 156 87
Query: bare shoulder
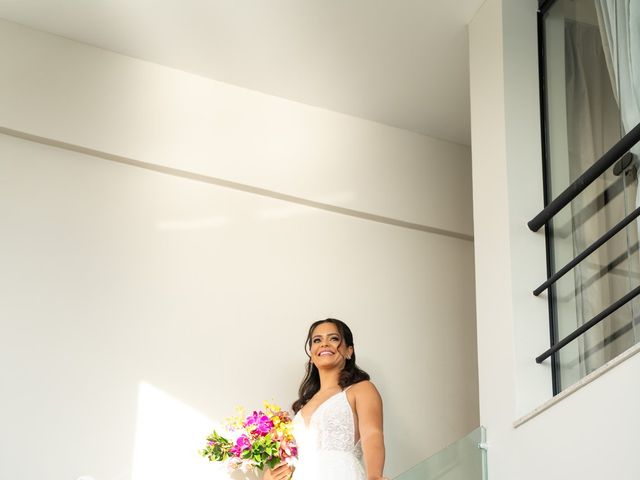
pixel 367 405
pixel 366 390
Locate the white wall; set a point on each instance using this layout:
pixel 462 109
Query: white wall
pixel 167 117
pixel 590 434
pixel 140 304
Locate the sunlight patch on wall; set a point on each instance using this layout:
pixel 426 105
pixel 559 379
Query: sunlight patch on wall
pixel 168 436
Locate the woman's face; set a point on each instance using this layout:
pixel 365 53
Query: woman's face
pixel 328 349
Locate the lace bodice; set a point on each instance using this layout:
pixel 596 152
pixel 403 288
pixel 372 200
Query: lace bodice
pixel 327 447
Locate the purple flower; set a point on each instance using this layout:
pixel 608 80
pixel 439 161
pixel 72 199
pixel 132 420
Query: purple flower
pixel 259 423
pixel 242 444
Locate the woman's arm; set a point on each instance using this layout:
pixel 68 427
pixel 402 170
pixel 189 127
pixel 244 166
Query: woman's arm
pixel 368 406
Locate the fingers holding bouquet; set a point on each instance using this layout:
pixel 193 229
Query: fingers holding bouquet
pixel 282 471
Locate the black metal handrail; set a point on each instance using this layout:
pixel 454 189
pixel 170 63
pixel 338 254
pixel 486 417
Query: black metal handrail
pixel 588 251
pixel 588 210
pixel 590 324
pixel 586 179
pixel 609 267
pixel 580 184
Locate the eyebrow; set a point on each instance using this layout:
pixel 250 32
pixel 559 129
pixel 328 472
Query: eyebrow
pixel 327 335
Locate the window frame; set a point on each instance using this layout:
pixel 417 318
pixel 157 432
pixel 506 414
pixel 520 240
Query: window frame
pixel 618 157
pixel 543 7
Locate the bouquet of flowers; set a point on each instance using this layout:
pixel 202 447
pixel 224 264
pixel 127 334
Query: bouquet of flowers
pixel 261 439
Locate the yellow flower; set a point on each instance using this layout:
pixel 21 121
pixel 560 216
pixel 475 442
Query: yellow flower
pixel 271 408
pixel 236 421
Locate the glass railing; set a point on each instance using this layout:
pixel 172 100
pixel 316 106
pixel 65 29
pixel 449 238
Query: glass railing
pixel 465 459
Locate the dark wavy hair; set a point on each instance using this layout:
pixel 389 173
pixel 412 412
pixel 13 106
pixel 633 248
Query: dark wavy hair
pixel 349 375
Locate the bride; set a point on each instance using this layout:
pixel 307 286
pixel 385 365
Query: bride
pixel 338 415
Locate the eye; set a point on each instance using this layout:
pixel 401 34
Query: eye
pixel 315 340
pixel 335 339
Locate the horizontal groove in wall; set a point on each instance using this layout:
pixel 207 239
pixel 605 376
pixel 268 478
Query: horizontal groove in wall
pixel 233 185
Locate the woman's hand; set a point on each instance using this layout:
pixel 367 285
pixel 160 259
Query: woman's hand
pixel 280 472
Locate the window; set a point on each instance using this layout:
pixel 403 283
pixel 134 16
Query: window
pixel 590 84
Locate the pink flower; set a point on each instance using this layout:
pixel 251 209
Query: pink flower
pixel 288 449
pixel 260 424
pixel 288 452
pixel 242 444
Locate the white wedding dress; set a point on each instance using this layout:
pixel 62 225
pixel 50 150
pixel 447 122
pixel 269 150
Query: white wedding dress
pixel 327 448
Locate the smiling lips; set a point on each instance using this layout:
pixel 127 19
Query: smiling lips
pixel 325 353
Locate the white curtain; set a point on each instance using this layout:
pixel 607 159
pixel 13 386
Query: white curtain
pixel 592 127
pixel 619 22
